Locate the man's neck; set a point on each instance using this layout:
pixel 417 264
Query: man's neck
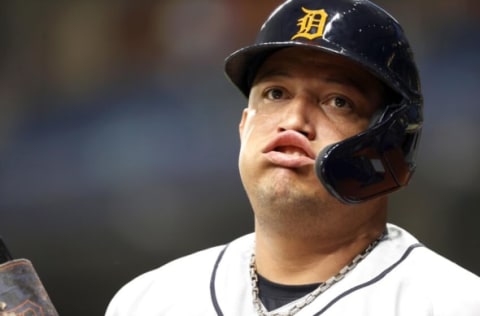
pixel 296 258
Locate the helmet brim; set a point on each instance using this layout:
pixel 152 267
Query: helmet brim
pixel 242 65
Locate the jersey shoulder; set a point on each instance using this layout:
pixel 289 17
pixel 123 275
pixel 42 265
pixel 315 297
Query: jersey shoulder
pixel 419 262
pixel 167 286
pixel 428 277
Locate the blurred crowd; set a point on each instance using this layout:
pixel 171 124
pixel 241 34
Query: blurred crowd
pixel 119 138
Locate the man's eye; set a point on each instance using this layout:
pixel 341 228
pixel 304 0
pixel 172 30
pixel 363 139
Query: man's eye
pixel 274 94
pixel 339 102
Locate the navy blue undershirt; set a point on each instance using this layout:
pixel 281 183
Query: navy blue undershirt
pixel 274 295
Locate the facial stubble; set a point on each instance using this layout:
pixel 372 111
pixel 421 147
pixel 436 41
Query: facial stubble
pixel 287 206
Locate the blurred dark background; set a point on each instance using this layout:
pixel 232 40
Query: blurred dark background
pixel 119 140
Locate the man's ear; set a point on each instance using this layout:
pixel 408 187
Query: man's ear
pixel 243 120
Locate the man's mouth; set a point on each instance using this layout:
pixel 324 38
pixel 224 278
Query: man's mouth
pixel 291 150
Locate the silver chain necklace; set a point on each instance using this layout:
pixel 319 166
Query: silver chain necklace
pixel 260 309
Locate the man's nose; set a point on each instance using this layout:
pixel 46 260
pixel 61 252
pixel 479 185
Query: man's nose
pixel 299 116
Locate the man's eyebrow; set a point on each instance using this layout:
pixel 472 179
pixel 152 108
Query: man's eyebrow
pixel 336 79
pixel 271 73
pixel 347 81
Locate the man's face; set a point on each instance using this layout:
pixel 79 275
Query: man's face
pixel 301 101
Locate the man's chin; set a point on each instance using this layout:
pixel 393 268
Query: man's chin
pixel 284 193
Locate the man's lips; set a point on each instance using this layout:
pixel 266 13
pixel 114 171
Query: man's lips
pixel 290 149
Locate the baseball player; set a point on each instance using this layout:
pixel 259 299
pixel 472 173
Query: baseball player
pixel 332 125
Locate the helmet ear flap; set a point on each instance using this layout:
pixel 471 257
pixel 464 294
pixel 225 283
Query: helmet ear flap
pixel 373 163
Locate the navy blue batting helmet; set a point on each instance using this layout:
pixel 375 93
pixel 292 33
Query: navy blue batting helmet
pixel 382 158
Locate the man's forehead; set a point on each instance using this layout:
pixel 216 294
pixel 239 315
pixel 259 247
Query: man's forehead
pixel 283 62
pixel 291 62
pixel 309 57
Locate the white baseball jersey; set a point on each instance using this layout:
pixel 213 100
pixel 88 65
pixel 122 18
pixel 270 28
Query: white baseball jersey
pixel 400 277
